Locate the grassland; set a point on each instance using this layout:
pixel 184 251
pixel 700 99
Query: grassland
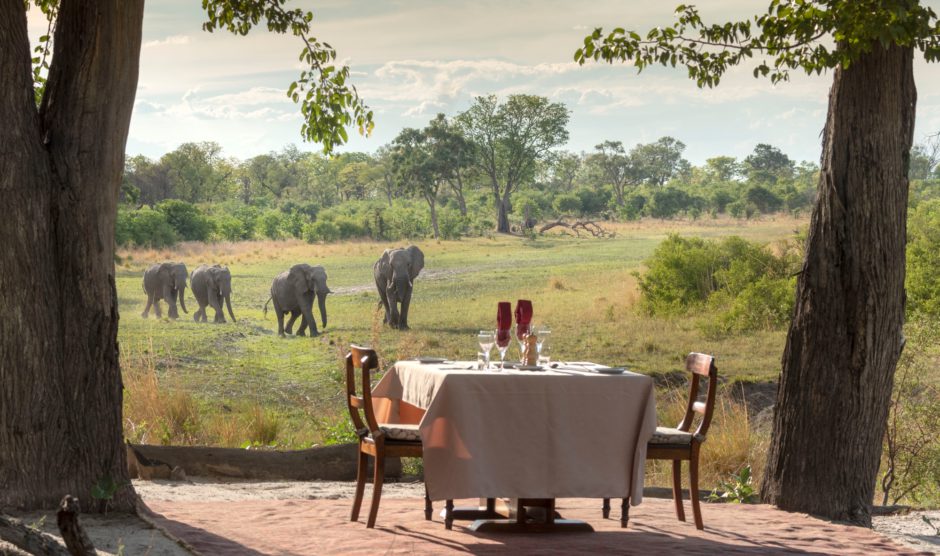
pixel 232 383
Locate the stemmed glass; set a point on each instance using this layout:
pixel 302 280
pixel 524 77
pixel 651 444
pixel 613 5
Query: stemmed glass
pixel 521 331
pixel 486 339
pixel 503 338
pixel 542 337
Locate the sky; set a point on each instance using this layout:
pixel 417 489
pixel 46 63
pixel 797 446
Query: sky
pixel 411 59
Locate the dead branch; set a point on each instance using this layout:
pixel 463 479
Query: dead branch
pixel 76 539
pixel 587 226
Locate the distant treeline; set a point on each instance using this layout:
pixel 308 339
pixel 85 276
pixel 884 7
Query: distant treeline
pixel 493 167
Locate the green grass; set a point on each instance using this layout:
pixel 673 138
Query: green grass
pixel 582 288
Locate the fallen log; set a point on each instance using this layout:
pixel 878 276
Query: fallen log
pixel 326 463
pixel 30 539
pixel 588 226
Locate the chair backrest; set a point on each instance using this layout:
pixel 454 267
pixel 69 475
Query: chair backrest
pixel 359 397
pixel 700 365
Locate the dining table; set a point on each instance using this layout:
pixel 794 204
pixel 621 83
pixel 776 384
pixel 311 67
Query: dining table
pixel 528 434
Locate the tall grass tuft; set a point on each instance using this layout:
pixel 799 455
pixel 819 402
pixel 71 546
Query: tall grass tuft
pixel 729 446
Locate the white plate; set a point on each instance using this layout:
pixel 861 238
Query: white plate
pixel 430 360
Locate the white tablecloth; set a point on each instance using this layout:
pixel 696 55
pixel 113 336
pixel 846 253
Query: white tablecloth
pixel 518 434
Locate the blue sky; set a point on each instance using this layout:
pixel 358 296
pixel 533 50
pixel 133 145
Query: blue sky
pixel 413 58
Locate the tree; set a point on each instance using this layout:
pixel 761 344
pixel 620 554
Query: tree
pixel 509 139
pixel 60 175
pixel 660 161
pixel 417 169
pixel 845 336
pixel 723 168
pixel 191 172
pixel 453 154
pixel 617 168
pixel 767 164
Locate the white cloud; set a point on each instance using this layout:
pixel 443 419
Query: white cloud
pixel 172 40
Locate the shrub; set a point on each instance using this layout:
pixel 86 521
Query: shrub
pixel 349 227
pixel 567 203
pixel 270 224
pixel 451 223
pixel 763 199
pixel 405 221
pixel 668 202
pixel 144 226
pixel 923 259
pixel 321 230
pixel 593 201
pixel 190 224
pixel 755 285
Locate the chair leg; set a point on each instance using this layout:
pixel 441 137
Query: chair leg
pixel 427 504
pixel 624 512
pixel 360 485
pixel 693 491
pixel 677 488
pixel 449 515
pixel 376 490
pixel 606 508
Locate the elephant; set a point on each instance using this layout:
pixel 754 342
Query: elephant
pixel 395 273
pixel 166 281
pixel 293 291
pixel 211 285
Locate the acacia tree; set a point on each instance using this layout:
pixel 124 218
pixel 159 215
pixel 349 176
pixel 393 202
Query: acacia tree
pixel 616 167
pixel 509 139
pixel 845 336
pixel 60 173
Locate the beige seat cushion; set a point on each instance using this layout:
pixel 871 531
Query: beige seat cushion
pixel 400 431
pixel 666 435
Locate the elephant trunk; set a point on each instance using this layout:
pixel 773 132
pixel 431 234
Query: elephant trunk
pixel 321 301
pixel 228 305
pixel 402 287
pixel 182 296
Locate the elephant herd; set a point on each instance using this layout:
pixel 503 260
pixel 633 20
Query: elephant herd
pixel 292 291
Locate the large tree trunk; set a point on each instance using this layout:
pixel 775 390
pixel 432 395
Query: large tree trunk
pixel 846 334
pixel 60 176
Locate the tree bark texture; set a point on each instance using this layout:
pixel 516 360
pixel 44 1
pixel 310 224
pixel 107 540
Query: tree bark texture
pixel 846 334
pixel 60 176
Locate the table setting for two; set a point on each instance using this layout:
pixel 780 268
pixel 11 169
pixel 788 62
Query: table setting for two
pixel 523 430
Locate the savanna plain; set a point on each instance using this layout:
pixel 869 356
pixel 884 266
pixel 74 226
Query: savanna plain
pixel 240 385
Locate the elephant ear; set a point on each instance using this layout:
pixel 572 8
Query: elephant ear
pixel 166 270
pixel 297 277
pixel 212 276
pixel 417 261
pixel 381 265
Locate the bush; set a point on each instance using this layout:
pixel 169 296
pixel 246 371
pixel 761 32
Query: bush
pixel 349 227
pixel 763 199
pixel 321 230
pixel 567 203
pixel 405 221
pixel 451 223
pixel 144 226
pixel 270 224
pixel 593 201
pixel 923 259
pixel 755 285
pixel 190 224
pixel 668 202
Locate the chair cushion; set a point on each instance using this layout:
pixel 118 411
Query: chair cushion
pixel 398 431
pixel 666 435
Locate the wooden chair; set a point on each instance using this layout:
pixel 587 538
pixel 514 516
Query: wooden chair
pixel 680 443
pixel 379 441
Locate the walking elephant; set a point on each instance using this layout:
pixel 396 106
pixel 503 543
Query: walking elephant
pixel 167 282
pixel 211 285
pixel 395 272
pixel 293 291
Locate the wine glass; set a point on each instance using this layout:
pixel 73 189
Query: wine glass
pixel 503 338
pixel 486 339
pixel 542 337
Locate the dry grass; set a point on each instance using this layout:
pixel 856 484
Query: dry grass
pixel 730 443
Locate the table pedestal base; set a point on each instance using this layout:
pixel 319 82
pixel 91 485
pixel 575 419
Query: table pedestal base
pixel 487 509
pixel 521 519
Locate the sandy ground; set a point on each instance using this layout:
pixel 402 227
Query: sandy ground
pixel 122 534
